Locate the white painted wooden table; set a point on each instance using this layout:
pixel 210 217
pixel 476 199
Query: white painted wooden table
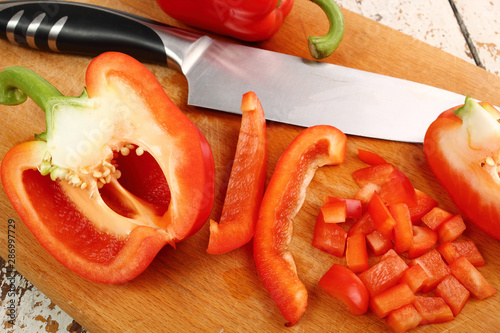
pixel 466 29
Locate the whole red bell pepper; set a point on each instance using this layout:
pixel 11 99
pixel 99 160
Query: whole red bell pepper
pixel 119 172
pixel 254 20
pixel 462 148
pixel 314 147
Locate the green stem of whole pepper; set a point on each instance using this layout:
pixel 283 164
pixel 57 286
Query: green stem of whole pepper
pixel 323 46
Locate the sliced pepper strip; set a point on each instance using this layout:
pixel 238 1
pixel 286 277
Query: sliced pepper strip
pixel 314 147
pixel 92 223
pixel 246 182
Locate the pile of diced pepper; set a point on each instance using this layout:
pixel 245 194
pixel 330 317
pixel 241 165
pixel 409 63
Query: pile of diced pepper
pixel 392 218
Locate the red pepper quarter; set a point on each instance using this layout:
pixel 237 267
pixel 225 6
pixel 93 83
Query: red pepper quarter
pixel 312 148
pixel 101 222
pixel 246 182
pixel 462 147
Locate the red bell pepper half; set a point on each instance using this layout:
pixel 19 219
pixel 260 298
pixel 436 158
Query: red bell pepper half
pixel 312 148
pixel 462 149
pixel 100 221
pixel 255 20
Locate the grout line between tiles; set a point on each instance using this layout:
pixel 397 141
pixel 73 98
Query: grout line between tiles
pixel 466 34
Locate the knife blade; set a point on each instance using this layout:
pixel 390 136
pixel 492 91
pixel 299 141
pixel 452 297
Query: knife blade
pixel 292 90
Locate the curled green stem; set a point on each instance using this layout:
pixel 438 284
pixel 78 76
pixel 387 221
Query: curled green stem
pixel 323 46
pixel 17 83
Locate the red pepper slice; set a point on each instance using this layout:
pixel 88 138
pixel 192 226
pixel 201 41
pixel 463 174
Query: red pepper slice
pixel 340 282
pixel 462 150
pixel 370 157
pixel 246 182
pixel 314 147
pixel 65 185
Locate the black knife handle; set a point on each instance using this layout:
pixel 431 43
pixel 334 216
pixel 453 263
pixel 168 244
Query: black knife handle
pixel 89 30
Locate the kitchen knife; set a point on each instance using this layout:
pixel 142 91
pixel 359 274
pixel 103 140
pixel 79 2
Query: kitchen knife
pixel 292 90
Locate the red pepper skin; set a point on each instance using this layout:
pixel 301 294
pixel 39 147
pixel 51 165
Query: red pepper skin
pixel 246 182
pixel 312 148
pixel 250 21
pixel 71 225
pixel 462 172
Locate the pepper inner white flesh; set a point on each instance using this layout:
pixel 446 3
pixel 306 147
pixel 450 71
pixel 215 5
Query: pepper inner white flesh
pixel 82 149
pixel 482 129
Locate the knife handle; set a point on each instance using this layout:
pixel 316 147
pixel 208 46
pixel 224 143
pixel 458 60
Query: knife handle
pixel 90 30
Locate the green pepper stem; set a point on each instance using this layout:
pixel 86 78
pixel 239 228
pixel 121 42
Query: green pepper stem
pixel 17 83
pixel 323 46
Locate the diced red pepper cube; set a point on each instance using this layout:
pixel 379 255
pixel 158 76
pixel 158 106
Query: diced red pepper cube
pixel 435 267
pixel 452 250
pixel 370 157
pixel 334 212
pixel 364 225
pixel 415 277
pixel 453 293
pixel 435 217
pixel 471 278
pixel 376 174
pixel 365 193
pixel 354 207
pixel 424 205
pixel 451 229
pixel 390 254
pixel 329 237
pixel 378 243
pixel 433 310
pixel 398 189
pixel 356 253
pixel 391 299
pixel 423 240
pixel 382 218
pixel 384 274
pixel 403 319
pixel 403 230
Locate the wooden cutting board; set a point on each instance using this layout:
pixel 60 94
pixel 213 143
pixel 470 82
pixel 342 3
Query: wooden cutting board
pixel 188 290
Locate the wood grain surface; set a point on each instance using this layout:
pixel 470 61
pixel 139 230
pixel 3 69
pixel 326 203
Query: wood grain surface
pixel 187 290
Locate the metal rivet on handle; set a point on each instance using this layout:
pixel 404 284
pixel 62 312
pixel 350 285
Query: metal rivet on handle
pixel 32 28
pixel 54 32
pixel 11 26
